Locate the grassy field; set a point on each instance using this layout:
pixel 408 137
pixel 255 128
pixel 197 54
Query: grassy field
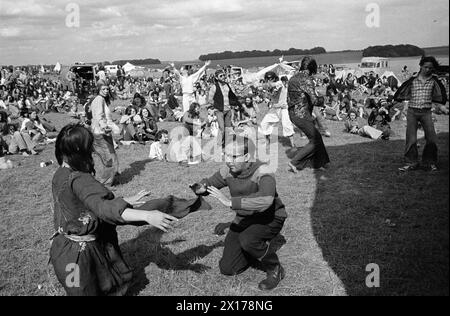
pixel 360 211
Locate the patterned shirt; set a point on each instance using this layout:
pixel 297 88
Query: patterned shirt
pixel 421 93
pixel 302 95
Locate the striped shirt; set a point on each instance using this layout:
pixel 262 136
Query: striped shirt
pixel 421 93
pixel 254 195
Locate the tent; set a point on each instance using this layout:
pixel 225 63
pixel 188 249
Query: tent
pixel 281 69
pixel 392 79
pixel 57 67
pixel 128 67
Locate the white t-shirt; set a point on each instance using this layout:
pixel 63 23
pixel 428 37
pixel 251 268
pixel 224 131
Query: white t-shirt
pixel 156 151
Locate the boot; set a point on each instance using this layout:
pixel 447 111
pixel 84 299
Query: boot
pixel 273 278
pixel 274 270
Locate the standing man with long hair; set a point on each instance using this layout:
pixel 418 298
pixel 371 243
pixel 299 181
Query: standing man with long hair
pixel 302 99
pixel 223 98
pixel 421 91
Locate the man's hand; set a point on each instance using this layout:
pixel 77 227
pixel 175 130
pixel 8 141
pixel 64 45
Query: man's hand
pixel 220 196
pixel 207 63
pixel 135 200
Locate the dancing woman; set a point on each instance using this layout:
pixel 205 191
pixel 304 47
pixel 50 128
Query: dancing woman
pixel 302 99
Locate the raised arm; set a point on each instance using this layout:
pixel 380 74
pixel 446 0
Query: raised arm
pixel 196 76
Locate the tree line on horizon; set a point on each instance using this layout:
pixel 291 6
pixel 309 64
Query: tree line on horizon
pixel 393 51
pixel 136 62
pixel 259 53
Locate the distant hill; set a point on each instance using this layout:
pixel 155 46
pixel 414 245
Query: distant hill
pixel 437 51
pixel 393 51
pixel 259 53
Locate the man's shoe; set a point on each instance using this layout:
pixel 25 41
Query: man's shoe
pixel 273 278
pixel 409 168
pixel 431 168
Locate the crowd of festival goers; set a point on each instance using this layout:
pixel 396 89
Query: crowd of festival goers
pixel 118 109
pixel 206 104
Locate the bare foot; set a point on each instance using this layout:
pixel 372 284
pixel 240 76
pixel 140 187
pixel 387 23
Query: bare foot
pixel 292 168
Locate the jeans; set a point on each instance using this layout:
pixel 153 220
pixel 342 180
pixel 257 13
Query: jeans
pixel 22 142
pixel 251 244
pixel 430 152
pixel 314 153
pixel 320 121
pixel 224 121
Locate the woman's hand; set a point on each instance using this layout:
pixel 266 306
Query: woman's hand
pixel 214 192
pixel 160 220
pixel 199 188
pixel 135 199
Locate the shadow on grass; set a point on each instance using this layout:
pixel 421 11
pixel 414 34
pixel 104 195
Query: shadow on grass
pixel 366 212
pixel 147 248
pixel 134 170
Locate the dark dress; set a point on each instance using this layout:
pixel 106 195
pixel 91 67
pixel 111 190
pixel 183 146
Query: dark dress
pixel 301 101
pixel 85 218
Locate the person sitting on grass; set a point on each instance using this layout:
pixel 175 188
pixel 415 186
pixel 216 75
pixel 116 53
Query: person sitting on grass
pixel 4 164
pixel 129 124
pixel 379 119
pixel 148 128
pixel 260 213
pixel 157 152
pixel 32 126
pixel 18 143
pixel 332 111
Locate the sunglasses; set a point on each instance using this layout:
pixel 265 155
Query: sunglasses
pixel 234 158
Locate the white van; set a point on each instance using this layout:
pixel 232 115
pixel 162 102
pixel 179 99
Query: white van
pixel 377 65
pixel 112 69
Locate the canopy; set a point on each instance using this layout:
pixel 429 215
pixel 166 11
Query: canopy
pixel 128 67
pixel 281 69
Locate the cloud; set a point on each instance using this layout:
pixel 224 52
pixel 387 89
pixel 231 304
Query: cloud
pixel 181 30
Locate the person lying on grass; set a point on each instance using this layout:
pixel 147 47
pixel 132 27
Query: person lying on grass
pixel 85 251
pixel 260 214
pixel 353 126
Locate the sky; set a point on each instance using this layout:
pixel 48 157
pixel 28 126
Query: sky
pixel 46 31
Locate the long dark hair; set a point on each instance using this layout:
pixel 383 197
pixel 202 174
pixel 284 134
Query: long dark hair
pixel 191 110
pixel 310 64
pixel 74 145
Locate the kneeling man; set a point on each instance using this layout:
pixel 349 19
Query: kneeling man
pixel 260 214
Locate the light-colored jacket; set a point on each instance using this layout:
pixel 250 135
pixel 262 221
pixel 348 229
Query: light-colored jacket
pixel 101 117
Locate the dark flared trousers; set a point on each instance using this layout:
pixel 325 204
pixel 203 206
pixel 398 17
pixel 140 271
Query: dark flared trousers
pixel 430 152
pixel 314 153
